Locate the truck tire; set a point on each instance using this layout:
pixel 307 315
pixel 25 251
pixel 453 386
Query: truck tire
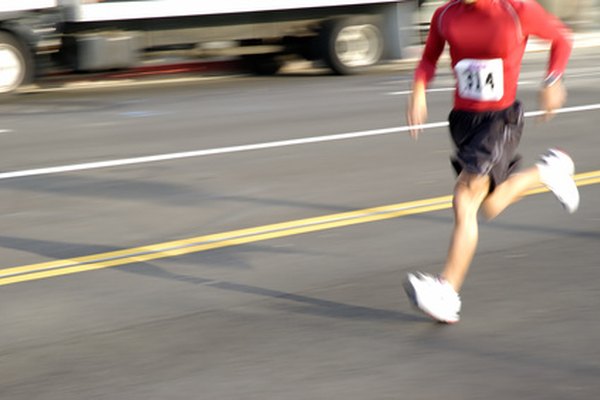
pixel 16 63
pixel 350 45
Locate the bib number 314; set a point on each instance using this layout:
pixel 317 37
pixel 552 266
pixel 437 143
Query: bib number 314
pixel 481 80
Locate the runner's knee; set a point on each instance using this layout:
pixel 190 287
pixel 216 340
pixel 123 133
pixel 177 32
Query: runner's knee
pixel 469 193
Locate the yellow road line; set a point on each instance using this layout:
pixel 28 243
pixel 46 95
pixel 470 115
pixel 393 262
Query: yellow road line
pixel 238 237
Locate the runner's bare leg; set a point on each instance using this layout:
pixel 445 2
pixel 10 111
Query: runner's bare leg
pixel 510 191
pixel 469 193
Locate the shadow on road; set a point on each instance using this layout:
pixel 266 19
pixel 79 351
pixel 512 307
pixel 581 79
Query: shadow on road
pixel 309 305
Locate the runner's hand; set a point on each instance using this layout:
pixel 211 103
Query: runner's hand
pixel 552 98
pixel 416 113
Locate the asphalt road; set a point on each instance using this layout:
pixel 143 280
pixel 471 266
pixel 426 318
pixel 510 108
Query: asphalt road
pixel 244 260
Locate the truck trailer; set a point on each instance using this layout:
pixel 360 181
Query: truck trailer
pixel 39 37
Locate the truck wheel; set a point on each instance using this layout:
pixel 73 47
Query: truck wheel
pixel 350 45
pixel 16 64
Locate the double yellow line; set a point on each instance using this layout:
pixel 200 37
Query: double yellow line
pixel 197 244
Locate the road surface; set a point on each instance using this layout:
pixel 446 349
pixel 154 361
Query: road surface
pixel 247 238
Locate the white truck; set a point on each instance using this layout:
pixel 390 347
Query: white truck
pixel 79 36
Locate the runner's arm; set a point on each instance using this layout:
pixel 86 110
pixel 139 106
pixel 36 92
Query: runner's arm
pixel 416 113
pixel 433 50
pixel 538 22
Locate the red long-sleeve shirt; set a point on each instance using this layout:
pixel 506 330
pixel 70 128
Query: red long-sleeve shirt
pixel 487 41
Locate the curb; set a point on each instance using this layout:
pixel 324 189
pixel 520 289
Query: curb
pixel 64 80
pixel 177 68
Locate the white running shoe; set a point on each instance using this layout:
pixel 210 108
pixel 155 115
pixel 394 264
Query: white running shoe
pixel 434 296
pixel 556 173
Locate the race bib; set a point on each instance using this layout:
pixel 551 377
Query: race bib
pixel 481 80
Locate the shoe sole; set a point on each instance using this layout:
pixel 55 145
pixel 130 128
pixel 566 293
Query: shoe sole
pixel 410 293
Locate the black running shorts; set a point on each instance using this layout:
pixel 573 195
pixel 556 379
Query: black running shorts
pixel 486 142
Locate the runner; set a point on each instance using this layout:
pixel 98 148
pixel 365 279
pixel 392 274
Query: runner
pixel 487 40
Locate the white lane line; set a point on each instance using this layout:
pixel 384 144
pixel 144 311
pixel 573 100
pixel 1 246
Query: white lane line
pixel 574 73
pixel 209 152
pixel 566 110
pixel 446 89
pixel 252 147
pixel 405 92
